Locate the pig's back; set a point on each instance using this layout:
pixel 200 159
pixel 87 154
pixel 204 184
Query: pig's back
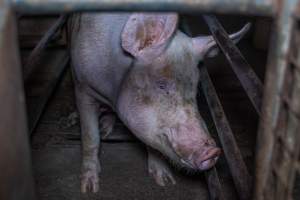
pixel 99 62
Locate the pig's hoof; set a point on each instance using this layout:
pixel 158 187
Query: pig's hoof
pixel 90 181
pixel 107 123
pixel 162 174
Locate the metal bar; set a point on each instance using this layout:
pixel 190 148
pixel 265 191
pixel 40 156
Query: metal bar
pixel 16 180
pixel 38 51
pixel 256 7
pixel 292 137
pixel 238 169
pixel 274 86
pixel 211 176
pixel 214 185
pixel 49 89
pixel 240 66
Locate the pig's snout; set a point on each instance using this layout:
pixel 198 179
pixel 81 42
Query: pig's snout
pixel 203 159
pixel 195 148
pixel 208 158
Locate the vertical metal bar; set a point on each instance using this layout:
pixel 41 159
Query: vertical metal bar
pixel 238 169
pixel 250 82
pixel 276 69
pixel 286 149
pixel 16 181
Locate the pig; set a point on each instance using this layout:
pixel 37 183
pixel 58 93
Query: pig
pixel 143 69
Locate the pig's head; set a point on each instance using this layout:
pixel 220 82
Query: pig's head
pixel 157 100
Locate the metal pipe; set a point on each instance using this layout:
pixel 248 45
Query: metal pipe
pixel 240 66
pixel 253 7
pixel 238 169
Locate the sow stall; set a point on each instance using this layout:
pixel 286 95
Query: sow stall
pixel 276 101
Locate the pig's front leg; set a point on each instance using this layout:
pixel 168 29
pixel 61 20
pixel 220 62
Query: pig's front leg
pixel 90 168
pixel 159 168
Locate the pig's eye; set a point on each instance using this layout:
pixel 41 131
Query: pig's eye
pixel 165 85
pixel 162 84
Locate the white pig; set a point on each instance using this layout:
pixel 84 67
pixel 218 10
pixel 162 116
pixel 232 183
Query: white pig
pixel 140 67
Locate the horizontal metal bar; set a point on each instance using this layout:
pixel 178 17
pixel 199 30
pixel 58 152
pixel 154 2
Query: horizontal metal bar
pixel 238 169
pixel 255 7
pixel 240 66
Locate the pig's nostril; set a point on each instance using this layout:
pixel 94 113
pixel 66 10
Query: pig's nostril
pixel 208 158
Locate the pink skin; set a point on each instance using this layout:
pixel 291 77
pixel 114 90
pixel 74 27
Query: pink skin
pixel 145 69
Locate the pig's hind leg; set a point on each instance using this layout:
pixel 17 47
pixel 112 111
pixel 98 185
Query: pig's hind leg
pixel 89 112
pixel 159 168
pixel 107 121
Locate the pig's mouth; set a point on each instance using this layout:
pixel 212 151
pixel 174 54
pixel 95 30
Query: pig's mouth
pixel 199 161
pixel 205 161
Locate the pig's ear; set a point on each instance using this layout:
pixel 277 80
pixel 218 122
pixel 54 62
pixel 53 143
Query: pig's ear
pixel 206 46
pixel 145 36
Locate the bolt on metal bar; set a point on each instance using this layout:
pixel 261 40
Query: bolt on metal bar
pixel 237 167
pixel 254 7
pixel 240 66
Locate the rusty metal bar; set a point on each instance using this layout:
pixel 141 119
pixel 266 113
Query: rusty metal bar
pixel 255 7
pixel 274 87
pixel 38 51
pixel 240 66
pixel 238 169
pixel 16 180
